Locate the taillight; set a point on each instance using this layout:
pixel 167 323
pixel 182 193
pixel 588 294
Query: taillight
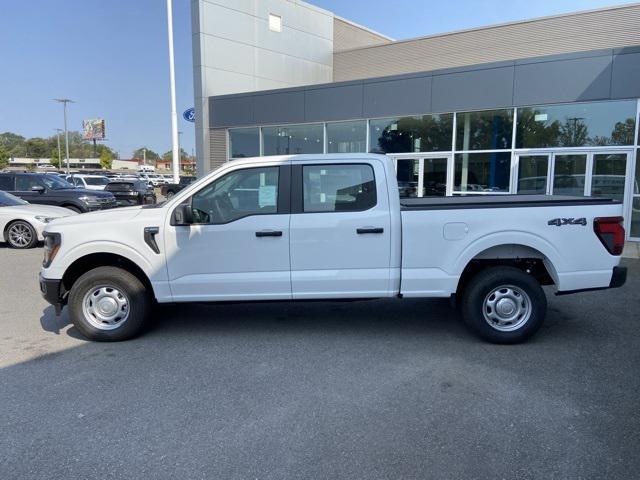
pixel 610 232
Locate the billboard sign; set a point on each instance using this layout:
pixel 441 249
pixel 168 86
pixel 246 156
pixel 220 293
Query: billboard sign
pixel 189 115
pixel 93 129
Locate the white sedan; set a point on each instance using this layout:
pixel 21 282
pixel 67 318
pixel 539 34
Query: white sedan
pixel 22 223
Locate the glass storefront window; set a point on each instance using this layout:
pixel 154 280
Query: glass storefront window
pixel 634 230
pixel 568 174
pixel 293 139
pixel 347 137
pixel 532 174
pixel 608 177
pixel 488 130
pixel 244 142
pixel 407 175
pixel 434 177
pixel 482 172
pixel 426 133
pixel 576 125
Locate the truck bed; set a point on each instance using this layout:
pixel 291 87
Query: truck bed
pixel 500 201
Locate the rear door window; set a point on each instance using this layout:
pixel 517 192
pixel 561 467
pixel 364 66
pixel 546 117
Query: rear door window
pixel 6 183
pixel 24 183
pixel 338 188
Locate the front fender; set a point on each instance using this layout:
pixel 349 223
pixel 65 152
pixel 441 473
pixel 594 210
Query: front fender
pixel 64 259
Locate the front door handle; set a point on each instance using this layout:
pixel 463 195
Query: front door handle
pixel 370 230
pixel 269 233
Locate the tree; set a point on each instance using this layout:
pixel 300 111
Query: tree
pixel 55 161
pixel 150 154
pixel 106 159
pixel 4 157
pixel 169 155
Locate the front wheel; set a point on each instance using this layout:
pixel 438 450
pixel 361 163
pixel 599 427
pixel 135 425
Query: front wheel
pixel 109 304
pixel 21 234
pixel 504 305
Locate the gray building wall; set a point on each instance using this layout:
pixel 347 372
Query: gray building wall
pixel 235 51
pixel 578 77
pixel 613 27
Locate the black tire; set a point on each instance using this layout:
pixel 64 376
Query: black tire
pixel 73 208
pixel 21 234
pixel 492 321
pixel 121 281
pixel 170 194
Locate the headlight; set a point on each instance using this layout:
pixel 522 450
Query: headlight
pixel 44 219
pixel 52 243
pixel 90 199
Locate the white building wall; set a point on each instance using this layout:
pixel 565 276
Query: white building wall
pixel 234 51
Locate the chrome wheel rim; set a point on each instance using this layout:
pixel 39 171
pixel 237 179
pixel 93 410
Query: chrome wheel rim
pixel 507 308
pixel 105 307
pixel 20 235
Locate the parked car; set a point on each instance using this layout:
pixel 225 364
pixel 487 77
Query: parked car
pixel 22 223
pixel 170 189
pixel 151 179
pixel 90 182
pixel 131 192
pixel 330 227
pixel 47 189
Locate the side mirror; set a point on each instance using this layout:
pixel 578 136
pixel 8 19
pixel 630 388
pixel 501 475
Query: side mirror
pixel 37 188
pixel 183 215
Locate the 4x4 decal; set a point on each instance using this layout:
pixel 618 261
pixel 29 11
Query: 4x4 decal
pixel 558 222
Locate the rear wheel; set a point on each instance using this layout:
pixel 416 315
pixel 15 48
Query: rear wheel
pixel 109 304
pixel 21 234
pixel 170 194
pixel 504 305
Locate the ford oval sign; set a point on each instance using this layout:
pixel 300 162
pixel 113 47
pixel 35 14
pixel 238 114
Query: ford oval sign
pixel 189 115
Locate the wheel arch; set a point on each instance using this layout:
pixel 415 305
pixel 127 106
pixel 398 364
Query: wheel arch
pixel 90 261
pixel 521 255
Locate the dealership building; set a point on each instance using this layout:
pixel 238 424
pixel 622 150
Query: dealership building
pixel 548 105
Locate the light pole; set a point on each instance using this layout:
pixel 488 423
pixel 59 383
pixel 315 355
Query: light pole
pixel 64 101
pixel 58 130
pixel 175 143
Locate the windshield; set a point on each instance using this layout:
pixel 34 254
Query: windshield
pixel 56 183
pixel 8 200
pixel 96 180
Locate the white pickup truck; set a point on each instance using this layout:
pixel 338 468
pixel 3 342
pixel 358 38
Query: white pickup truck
pixel 329 227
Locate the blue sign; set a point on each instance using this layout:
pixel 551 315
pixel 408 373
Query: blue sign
pixel 189 115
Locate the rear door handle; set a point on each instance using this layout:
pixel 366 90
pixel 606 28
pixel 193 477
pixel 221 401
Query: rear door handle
pixel 269 233
pixel 370 230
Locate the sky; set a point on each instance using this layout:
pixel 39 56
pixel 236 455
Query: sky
pixel 111 57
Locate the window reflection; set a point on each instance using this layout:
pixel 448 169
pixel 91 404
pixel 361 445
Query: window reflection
pixel 609 175
pixel 482 172
pixel 293 139
pixel 347 137
pixel 426 133
pixel 568 174
pixel 434 177
pixel 244 142
pixel 407 175
pixel 532 174
pixel 576 125
pixel 488 130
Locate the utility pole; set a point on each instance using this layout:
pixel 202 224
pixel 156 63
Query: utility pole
pixel 64 101
pixel 58 130
pixel 175 143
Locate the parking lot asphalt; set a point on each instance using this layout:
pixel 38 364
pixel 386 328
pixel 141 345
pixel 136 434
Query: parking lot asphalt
pixel 364 390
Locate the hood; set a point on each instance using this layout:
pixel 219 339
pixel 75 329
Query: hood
pixel 40 210
pixel 102 216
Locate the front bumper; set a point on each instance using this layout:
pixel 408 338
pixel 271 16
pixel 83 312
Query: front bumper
pixel 52 292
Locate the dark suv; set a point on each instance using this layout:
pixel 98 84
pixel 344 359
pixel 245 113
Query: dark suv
pixel 168 190
pixel 131 192
pixel 47 189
